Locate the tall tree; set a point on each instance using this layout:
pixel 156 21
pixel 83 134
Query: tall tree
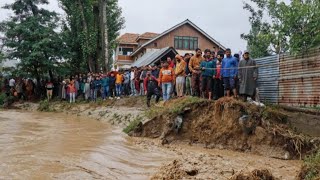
pixel 292 27
pixel 31 37
pixel 93 25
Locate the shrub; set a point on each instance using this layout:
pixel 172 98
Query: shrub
pixel 132 125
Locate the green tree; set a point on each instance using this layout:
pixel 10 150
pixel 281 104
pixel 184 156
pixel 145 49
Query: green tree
pixel 91 28
pixel 31 37
pixel 292 27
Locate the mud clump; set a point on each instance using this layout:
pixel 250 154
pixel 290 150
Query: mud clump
pixel 254 175
pixel 228 124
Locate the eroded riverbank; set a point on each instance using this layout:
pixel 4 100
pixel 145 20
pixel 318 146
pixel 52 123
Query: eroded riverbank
pixel 85 141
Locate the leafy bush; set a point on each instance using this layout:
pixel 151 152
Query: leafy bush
pixel 132 125
pixel 45 106
pixel 2 98
pixel 312 164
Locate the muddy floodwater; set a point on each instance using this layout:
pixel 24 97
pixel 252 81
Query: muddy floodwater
pixel 59 146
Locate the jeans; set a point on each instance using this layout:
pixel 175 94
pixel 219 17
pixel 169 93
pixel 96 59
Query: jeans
pixel 118 90
pixel 141 89
pixel 72 97
pixel 133 88
pixel 105 92
pixel 188 86
pixel 166 90
pixel 95 94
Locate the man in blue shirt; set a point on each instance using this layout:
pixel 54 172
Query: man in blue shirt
pixel 229 73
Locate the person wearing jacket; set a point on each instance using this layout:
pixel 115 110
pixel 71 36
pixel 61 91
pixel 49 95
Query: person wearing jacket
pixel 166 80
pixel 105 87
pixel 248 75
pixel 194 67
pixel 208 72
pixel 180 75
pixel 97 87
pixel 112 85
pixel 229 73
pixel 151 88
pixel 218 84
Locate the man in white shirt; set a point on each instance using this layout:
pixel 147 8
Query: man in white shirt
pixel 12 83
pixel 132 82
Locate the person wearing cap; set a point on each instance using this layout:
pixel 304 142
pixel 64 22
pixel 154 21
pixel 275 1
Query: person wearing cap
pixel 194 67
pixel 208 71
pixel 180 75
pixel 248 75
pixel 218 84
pixel 229 73
pixel 151 87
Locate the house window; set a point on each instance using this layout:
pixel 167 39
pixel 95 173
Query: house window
pixel 155 44
pixel 185 42
pixel 125 51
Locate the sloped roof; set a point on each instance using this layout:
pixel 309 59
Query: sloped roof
pixel 128 38
pixel 153 56
pixel 175 27
pixel 148 35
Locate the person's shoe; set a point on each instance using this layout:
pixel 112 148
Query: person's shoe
pixel 111 98
pixel 118 97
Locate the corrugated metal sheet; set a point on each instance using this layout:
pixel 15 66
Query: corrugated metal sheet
pixel 299 83
pixel 268 79
pixel 152 56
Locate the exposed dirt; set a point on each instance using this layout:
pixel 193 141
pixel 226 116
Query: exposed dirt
pixel 265 131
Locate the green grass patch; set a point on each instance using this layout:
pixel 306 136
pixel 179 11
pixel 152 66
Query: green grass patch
pixel 175 106
pixel 2 98
pixel 132 125
pixel 312 164
pixel 45 106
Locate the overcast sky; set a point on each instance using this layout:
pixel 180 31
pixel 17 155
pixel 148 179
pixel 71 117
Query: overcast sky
pixel 224 20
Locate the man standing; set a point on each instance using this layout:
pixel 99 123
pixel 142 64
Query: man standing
pixel 166 79
pixel 229 73
pixel 248 74
pixel 218 85
pixel 208 71
pixel 180 74
pixel 151 88
pixel 194 67
pixel 155 71
pixel 188 74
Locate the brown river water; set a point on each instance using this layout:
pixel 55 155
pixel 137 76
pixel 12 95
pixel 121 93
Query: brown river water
pixel 58 146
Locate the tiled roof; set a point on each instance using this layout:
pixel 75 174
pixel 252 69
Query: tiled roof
pixel 128 38
pixel 148 35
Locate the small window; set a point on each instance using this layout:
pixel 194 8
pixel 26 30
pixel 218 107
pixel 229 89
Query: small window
pixel 155 44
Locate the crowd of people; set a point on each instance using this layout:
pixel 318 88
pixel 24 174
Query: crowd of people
pixel 208 75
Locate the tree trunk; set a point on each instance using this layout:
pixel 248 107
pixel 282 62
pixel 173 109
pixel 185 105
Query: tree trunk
pixel 104 33
pixel 85 29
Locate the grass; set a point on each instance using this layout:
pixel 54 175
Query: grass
pixel 175 106
pixel 45 106
pixel 312 164
pixel 132 125
pixel 2 98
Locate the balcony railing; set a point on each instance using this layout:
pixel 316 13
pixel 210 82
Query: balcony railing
pixel 124 58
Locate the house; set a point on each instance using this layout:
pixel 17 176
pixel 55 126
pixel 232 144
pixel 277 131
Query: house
pixel 182 38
